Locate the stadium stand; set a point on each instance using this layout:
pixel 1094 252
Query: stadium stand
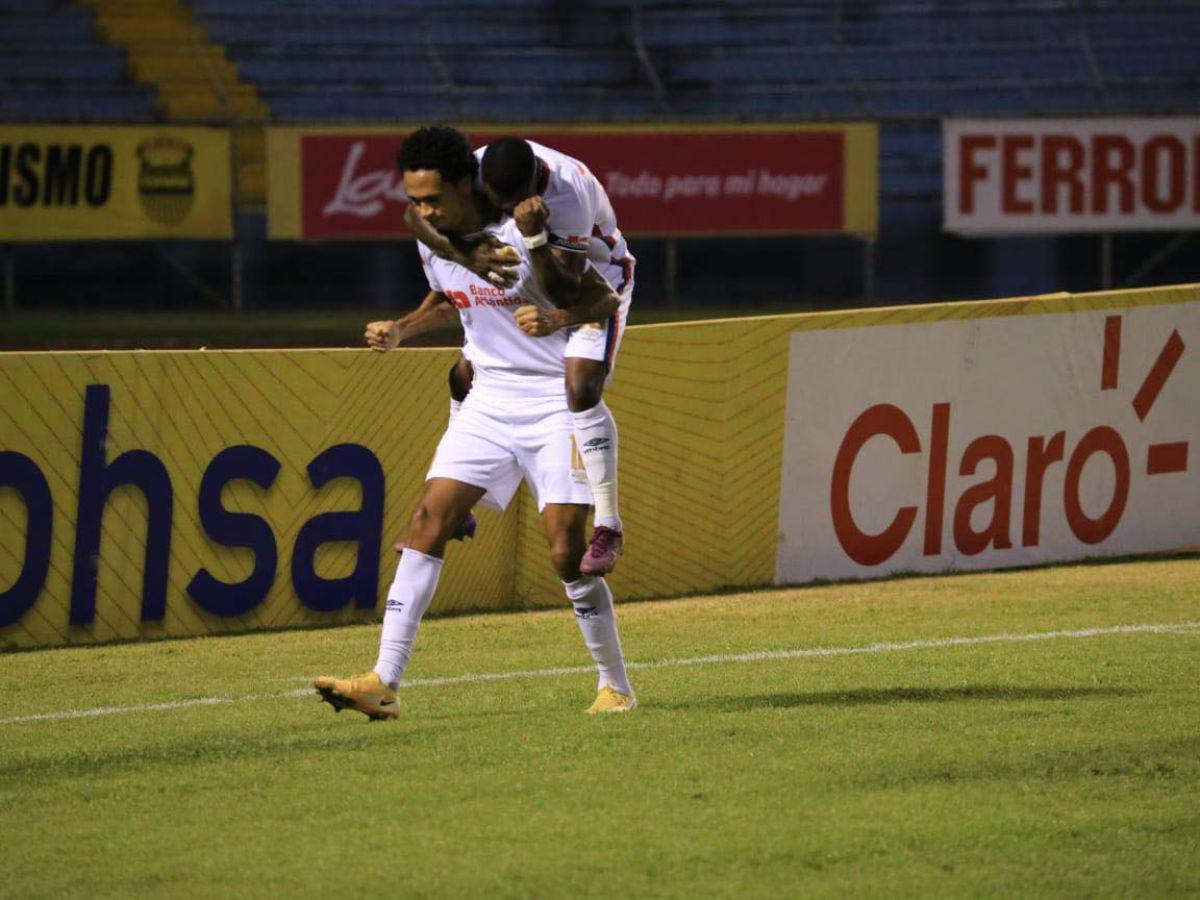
pixel 904 64
pixel 53 69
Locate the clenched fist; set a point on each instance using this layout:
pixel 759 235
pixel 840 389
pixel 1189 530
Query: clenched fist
pixel 538 322
pixel 531 216
pixel 494 260
pixel 382 335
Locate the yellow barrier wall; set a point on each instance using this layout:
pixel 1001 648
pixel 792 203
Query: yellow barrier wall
pixel 700 408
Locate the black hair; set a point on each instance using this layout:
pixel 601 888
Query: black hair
pixel 439 148
pixel 508 165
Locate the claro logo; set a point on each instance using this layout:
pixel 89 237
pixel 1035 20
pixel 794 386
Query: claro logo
pixel 1041 453
pixel 99 477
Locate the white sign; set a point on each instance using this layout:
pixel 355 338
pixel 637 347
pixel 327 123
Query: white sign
pixel 985 443
pixel 1027 176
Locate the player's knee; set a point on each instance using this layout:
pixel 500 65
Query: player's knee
pixel 428 528
pixel 585 385
pixel 565 554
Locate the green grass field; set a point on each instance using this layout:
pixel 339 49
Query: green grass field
pixel 1063 765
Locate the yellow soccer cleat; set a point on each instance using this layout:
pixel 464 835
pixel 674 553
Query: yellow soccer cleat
pixel 610 700
pixel 365 693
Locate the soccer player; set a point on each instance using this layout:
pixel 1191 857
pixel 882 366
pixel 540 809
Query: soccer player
pixel 514 424
pixel 581 227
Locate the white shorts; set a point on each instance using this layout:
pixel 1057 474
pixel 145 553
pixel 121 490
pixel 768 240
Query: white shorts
pixel 493 445
pixel 602 343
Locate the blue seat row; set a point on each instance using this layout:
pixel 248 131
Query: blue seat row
pixel 101 104
pixel 64 25
pixel 101 64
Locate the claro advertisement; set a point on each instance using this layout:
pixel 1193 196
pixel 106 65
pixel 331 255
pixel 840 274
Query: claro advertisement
pixel 991 442
pixel 60 183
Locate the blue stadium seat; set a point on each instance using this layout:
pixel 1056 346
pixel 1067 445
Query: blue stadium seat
pixel 324 68
pixel 75 104
pixel 64 25
pixel 63 64
pixel 760 59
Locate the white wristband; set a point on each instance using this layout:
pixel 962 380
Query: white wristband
pixel 538 240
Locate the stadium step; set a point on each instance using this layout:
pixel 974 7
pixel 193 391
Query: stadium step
pixel 173 53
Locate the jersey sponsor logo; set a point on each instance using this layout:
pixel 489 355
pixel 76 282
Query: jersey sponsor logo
pixel 483 296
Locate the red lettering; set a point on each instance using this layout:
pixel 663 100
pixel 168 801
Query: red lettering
pixel 997 490
pixel 1111 365
pixel 969 171
pixel 935 488
pixel 870 549
pixel 1037 460
pixel 1105 173
pixel 1014 172
pixel 1101 439
pixel 460 300
pixel 1155 170
pixel 1056 173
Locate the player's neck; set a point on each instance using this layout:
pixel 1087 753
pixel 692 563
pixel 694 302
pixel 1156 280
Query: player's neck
pixel 481 214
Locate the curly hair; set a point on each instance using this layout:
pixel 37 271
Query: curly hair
pixel 440 148
pixel 508 166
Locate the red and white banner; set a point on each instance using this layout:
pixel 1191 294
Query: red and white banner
pixel 1027 176
pixel 343 183
pixel 991 442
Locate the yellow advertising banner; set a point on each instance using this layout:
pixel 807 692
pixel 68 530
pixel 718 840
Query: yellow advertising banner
pixel 186 493
pixel 341 183
pixel 104 182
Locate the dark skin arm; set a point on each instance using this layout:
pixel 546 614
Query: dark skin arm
pixel 596 302
pixel 435 311
pixel 558 271
pixel 488 258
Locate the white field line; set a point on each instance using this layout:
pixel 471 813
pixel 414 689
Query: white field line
pixel 715 659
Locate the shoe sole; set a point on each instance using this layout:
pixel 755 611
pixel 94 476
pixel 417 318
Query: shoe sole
pixel 340 702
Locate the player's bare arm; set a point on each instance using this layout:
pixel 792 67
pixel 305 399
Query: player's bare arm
pixel 596 302
pixel 558 271
pixel 435 311
pixel 488 257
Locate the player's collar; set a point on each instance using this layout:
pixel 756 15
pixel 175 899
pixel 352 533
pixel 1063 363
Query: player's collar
pixel 543 177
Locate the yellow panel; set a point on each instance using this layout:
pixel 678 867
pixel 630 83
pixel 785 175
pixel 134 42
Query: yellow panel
pixel 700 407
pixel 103 182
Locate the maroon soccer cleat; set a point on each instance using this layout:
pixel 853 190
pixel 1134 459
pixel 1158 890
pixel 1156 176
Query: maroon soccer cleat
pixel 601 556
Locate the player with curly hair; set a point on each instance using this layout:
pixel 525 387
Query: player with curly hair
pixel 513 425
pixel 581 230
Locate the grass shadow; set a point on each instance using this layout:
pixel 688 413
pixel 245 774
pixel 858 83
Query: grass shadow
pixel 883 696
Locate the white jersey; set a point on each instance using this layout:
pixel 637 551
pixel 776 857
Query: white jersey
pixel 581 216
pixel 508 363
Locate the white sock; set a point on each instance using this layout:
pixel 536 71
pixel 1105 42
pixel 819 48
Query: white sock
pixel 407 599
pixel 596 438
pixel 593 603
pixel 455 406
